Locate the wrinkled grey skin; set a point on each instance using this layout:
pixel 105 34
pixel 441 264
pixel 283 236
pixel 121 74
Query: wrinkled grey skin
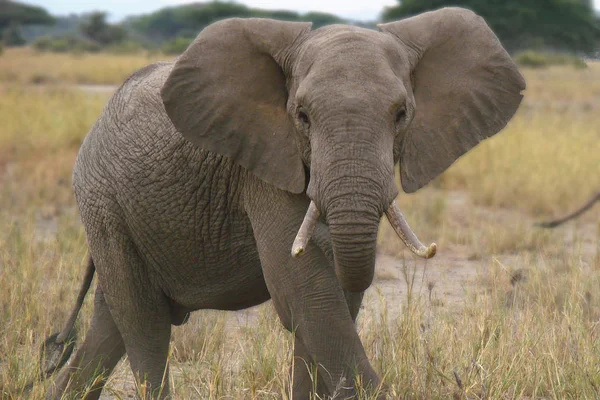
pixel 195 179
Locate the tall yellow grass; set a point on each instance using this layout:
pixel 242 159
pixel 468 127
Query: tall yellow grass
pixel 40 132
pixel 28 66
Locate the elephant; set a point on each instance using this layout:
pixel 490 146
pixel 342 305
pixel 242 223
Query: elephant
pixel 266 137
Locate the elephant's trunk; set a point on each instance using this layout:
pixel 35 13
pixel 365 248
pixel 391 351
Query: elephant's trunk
pixel 352 185
pixel 354 238
pixel 353 229
pixel 355 195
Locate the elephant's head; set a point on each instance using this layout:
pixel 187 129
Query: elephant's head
pixel 329 112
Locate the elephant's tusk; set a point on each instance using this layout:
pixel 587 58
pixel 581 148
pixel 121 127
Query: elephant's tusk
pixel 306 230
pixel 406 234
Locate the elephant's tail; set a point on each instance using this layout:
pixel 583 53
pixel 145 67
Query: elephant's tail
pixel 57 349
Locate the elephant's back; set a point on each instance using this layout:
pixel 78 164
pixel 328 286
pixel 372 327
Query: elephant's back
pixel 133 141
pixel 134 148
pixel 124 127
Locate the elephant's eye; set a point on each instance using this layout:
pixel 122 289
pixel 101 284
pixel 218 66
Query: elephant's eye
pixel 401 116
pixel 304 120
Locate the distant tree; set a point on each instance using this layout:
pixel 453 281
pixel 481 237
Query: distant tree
pixel 63 25
pixel 22 14
pixel 187 21
pixel 96 28
pixel 557 24
pixel 283 15
pixel 14 15
pixel 176 46
pixel 12 35
pixel 320 19
pixel 597 51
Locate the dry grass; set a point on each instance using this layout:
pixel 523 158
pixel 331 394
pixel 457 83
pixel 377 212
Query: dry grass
pixel 546 160
pixel 41 130
pixel 42 245
pixel 525 326
pixel 531 339
pixel 25 65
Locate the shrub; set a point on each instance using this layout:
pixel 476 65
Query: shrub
pixel 126 47
pixel 13 35
pixel 65 44
pixel 42 43
pixel 98 30
pixel 177 45
pixel 538 59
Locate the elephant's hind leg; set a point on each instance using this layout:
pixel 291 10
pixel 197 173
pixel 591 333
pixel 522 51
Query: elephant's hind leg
pixel 147 344
pixel 141 313
pixel 139 308
pixel 102 349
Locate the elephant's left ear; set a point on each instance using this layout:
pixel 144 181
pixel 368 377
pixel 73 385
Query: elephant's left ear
pixel 227 94
pixel 466 88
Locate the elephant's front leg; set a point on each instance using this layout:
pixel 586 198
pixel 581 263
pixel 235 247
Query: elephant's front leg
pixel 302 371
pixel 308 298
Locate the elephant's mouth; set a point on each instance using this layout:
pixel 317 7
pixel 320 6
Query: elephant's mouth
pixel 394 216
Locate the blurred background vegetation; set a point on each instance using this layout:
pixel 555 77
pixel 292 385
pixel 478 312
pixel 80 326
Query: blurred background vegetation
pixel 548 27
pixel 566 25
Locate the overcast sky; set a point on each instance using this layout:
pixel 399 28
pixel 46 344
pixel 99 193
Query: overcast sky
pixel 363 10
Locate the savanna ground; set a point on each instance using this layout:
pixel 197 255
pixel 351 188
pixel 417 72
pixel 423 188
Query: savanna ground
pixel 504 311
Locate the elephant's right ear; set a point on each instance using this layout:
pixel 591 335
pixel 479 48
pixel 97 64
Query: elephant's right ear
pixel 227 94
pixel 466 89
